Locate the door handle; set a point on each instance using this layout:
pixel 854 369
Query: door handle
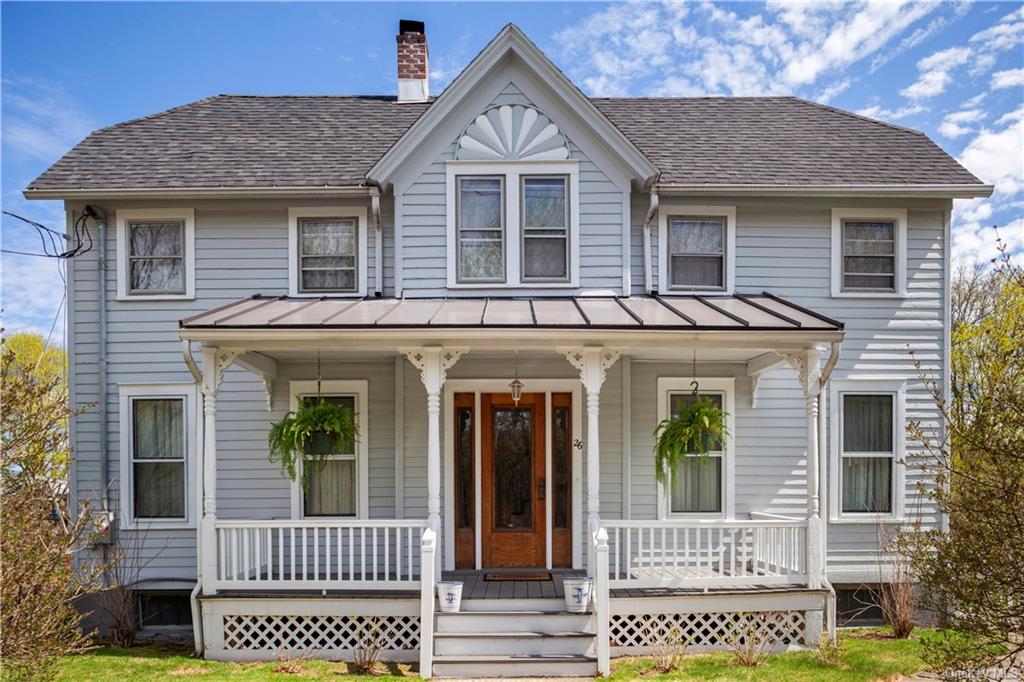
pixel 541 488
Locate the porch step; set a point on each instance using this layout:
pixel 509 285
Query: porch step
pixel 518 621
pixel 541 605
pixel 506 642
pixel 515 666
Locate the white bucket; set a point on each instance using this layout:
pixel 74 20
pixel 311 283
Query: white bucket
pixel 449 594
pixel 577 594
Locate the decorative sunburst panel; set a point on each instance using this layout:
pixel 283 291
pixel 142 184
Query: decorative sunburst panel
pixel 512 132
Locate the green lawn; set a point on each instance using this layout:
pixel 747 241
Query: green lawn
pixel 867 654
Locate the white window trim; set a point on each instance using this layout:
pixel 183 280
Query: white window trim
pixel 127 393
pixel 353 387
pixel 727 387
pixel 899 216
pixel 362 237
pixel 666 211
pixel 186 215
pixel 512 172
pixel 898 389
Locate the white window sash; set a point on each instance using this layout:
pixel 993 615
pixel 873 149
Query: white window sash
pixel 666 212
pixel 301 255
pixel 528 229
pixel 840 216
pixel 501 230
pixel 124 220
pixel 357 213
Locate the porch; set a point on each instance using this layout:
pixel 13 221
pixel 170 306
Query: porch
pixel 645 569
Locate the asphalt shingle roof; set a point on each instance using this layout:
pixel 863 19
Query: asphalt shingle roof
pixel 236 141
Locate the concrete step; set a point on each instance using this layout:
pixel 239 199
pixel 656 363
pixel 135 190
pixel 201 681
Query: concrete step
pixel 514 643
pixel 514 621
pixel 514 666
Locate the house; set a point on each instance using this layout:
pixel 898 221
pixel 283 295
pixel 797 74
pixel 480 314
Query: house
pixel 411 257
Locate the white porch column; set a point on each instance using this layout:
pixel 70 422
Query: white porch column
pixel 808 365
pixel 593 363
pixel 215 361
pixel 433 363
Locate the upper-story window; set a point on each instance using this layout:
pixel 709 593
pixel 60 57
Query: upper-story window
pixel 156 250
pixel 698 248
pixel 513 224
pixel 327 251
pixel 545 218
pixel 869 252
pixel 481 229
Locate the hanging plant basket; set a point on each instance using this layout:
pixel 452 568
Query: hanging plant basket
pixel 695 429
pixel 303 438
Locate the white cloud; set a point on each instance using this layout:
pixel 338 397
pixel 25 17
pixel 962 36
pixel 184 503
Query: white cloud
pixel 878 112
pixel 1008 32
pixel 833 90
pixel 1010 78
pixel 953 125
pixel 997 156
pixel 935 72
pixel 41 120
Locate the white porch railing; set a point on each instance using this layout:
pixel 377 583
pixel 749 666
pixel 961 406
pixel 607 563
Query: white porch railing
pixel 684 554
pixel 318 555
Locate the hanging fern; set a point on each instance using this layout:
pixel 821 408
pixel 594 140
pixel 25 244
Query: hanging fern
pixel 694 429
pixel 303 438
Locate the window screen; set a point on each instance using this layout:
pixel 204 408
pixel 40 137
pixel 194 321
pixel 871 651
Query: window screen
pixel 156 257
pixel 481 229
pixel 697 253
pixel 545 216
pixel 328 254
pixel 869 255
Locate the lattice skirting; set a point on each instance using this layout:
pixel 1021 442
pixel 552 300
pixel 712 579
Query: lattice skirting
pixel 706 631
pixel 320 632
pixel 255 629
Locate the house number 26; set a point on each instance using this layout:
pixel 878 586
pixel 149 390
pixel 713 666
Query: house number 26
pixel 577 443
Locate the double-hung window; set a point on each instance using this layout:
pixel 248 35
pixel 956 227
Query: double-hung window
pixel 700 486
pixel 340 487
pixel 328 255
pixel 481 229
pixel 868 454
pixel 157 432
pixel 513 224
pixel 869 248
pixel 332 487
pixel 545 229
pixel 155 254
pixel 869 255
pixel 697 252
pixel 327 251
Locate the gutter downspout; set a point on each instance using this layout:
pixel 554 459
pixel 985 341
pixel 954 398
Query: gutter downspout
pixel 823 441
pixel 378 244
pixel 105 473
pixel 197 616
pixel 652 212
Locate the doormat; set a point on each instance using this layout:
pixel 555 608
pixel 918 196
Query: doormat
pixel 516 577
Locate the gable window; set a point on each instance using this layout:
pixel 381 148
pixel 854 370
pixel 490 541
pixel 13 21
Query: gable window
pixel 155 254
pixel 869 249
pixel 545 217
pixel 869 255
pixel 696 248
pixel 327 255
pixel 481 229
pixel 332 488
pixel 327 251
pixel 699 486
pixel 340 488
pixel 867 454
pixel 697 252
pixel 157 429
pixel 512 224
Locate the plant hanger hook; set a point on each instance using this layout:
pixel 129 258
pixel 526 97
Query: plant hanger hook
pixel 693 374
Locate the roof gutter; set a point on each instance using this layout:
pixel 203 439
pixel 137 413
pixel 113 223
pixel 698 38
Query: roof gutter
pixel 652 212
pixel 909 191
pixel 201 192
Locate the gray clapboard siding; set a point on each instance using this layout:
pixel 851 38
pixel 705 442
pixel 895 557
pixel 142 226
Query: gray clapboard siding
pixel 424 225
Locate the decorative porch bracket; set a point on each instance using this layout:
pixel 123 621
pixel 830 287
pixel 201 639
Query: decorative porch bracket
pixel 265 367
pixel 433 362
pixel 593 363
pixel 756 368
pixel 215 362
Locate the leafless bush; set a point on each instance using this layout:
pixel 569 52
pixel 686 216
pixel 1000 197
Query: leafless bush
pixel 896 595
pixel 828 652
pixel 368 646
pixel 752 637
pixel 667 644
pixel 117 602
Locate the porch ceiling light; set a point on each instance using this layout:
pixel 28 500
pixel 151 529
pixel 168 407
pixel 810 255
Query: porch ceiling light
pixel 516 386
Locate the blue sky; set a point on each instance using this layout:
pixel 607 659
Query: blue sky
pixel 953 70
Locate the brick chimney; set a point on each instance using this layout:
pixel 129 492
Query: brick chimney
pixel 413 78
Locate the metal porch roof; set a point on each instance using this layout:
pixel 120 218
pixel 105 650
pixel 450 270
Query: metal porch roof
pixel 738 312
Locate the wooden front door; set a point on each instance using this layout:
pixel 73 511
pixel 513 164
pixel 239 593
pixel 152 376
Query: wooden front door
pixel 514 512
